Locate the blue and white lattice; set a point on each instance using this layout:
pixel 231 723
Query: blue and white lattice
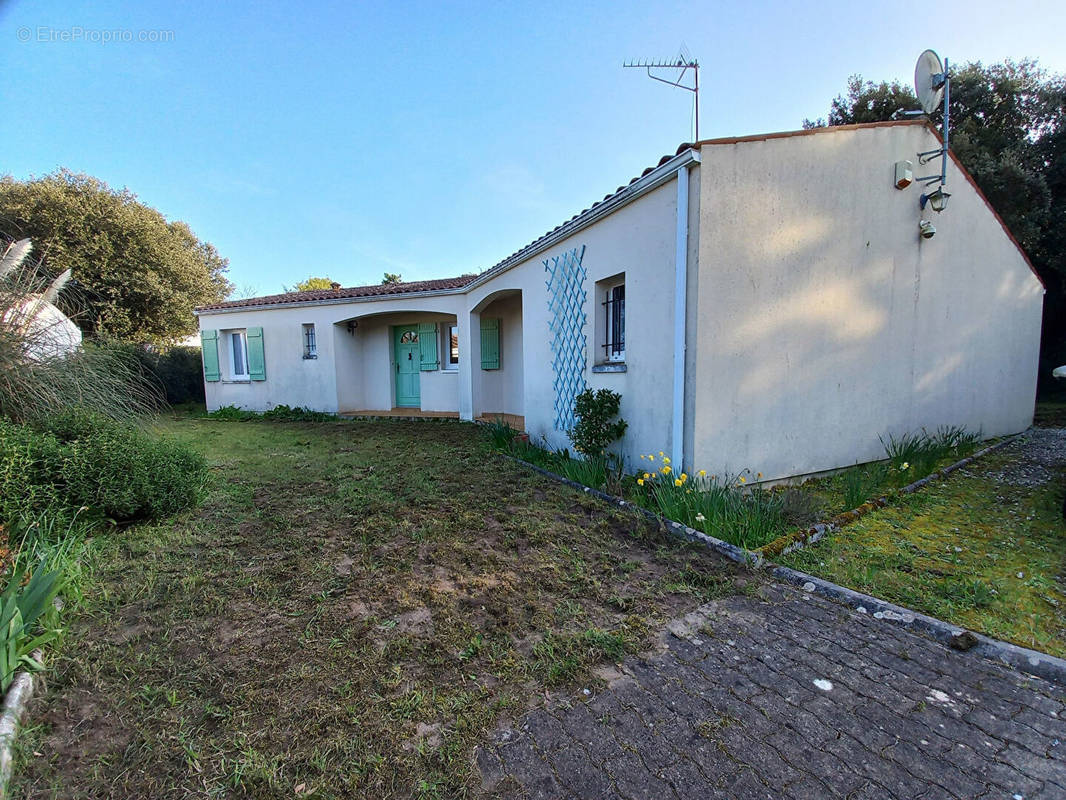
pixel 566 304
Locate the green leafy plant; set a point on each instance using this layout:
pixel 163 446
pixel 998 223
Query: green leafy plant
pixel 83 459
pixel 33 578
pixel 279 413
pixel 597 426
pixel 501 434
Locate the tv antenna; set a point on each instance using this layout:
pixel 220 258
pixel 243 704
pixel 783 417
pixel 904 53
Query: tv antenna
pixel 932 84
pixel 682 64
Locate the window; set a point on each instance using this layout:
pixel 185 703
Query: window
pixel 310 345
pixel 451 346
pixel 238 353
pixel 614 304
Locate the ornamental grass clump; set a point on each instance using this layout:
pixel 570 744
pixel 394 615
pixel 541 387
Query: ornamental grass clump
pixel 915 455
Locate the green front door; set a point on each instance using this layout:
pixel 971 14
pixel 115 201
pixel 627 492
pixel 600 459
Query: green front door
pixel 408 362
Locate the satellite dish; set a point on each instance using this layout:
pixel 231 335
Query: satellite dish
pixel 929 81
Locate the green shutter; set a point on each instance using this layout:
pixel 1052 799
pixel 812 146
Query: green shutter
pixel 490 344
pixel 209 350
pixel 257 368
pixel 427 343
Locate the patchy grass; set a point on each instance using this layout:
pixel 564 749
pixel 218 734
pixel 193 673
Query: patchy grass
pixel 1050 414
pixel 971 549
pixel 351 610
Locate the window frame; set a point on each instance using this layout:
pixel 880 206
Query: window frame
pixel 310 341
pixel 447 365
pixel 614 317
pixel 233 335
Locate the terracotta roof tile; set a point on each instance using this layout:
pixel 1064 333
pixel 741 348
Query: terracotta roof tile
pixel 376 290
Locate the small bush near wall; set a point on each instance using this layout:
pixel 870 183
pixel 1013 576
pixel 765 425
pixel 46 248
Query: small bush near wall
pixel 282 413
pixel 597 427
pixel 82 460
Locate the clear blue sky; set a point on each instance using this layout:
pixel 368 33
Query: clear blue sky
pixel 435 138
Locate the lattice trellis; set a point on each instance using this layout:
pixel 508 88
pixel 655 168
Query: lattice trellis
pixel 566 304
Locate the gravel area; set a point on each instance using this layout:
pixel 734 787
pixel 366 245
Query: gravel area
pixel 1036 457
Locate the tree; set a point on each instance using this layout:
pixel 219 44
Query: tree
pixel 313 284
pixel 1008 128
pixel 867 102
pixel 136 275
pixel 391 277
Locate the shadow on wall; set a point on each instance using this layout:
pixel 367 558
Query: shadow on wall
pixel 869 330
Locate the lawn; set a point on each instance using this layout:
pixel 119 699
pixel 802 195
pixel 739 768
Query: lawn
pixel 984 548
pixel 350 611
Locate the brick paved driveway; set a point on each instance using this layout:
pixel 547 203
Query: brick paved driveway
pixel 792 696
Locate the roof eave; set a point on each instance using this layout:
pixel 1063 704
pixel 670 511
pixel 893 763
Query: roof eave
pixel 651 180
pixel 330 301
pixel 641 186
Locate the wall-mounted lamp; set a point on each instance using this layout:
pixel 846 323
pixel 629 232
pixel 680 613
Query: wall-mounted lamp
pixel 937 201
pixel 352 325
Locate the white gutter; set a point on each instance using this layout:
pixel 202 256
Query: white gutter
pixel 677 437
pixel 657 177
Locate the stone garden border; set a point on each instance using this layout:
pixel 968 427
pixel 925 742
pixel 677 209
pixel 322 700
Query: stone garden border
pixel 17 698
pixel 1022 659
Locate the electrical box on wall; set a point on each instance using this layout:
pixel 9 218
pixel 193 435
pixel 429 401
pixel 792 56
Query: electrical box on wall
pixel 904 174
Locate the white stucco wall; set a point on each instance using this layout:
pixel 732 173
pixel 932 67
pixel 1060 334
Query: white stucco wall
pixel 352 371
pixel 639 240
pixel 824 320
pixel 290 379
pixel 502 390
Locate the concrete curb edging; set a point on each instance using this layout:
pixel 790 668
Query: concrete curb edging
pixel 798 539
pixel 15 702
pixel 1023 659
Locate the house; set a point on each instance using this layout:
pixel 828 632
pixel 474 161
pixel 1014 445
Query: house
pixel 762 302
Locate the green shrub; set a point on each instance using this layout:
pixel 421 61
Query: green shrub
pixel 281 413
pixel 297 414
pixel 81 459
pixel 596 426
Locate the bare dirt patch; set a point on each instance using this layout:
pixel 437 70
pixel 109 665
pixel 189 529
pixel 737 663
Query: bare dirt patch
pixel 355 639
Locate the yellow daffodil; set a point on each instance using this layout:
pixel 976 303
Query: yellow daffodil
pixel 651 458
pixel 905 466
pixel 743 479
pixel 640 481
pixel 647 475
pixel 642 456
pixel 703 473
pixel 684 477
pixel 665 470
pixel 678 482
pixel 666 460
